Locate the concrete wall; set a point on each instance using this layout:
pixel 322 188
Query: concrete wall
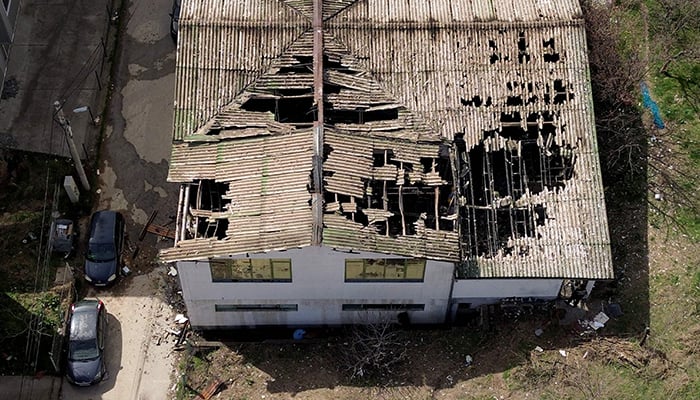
pixel 319 289
pixel 489 291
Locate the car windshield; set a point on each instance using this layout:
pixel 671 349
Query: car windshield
pixel 83 350
pixel 100 252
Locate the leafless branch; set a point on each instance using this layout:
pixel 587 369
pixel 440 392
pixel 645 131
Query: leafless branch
pixel 373 350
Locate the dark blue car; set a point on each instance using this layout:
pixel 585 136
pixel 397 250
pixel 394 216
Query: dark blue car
pixel 105 243
pixel 175 19
pixel 86 343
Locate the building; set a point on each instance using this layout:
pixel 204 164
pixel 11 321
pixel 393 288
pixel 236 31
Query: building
pixel 455 165
pixel 8 18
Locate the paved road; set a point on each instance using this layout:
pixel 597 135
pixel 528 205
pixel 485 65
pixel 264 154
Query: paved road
pixel 57 54
pixel 137 147
pixel 133 180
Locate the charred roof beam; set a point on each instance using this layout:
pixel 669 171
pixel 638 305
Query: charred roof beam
pixel 317 196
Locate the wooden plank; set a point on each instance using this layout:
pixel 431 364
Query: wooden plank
pixel 145 227
pixel 210 390
pixel 160 231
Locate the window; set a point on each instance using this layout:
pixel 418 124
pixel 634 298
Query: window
pixel 255 307
pixel 251 270
pixel 384 269
pixel 384 307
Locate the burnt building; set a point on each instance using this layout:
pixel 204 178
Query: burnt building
pixel 346 161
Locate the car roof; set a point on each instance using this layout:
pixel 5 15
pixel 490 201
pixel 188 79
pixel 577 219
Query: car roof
pixel 102 226
pixel 83 323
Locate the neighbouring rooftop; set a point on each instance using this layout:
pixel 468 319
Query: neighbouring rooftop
pixel 456 131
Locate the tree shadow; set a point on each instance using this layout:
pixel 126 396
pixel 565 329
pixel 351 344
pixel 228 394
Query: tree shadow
pixel 626 190
pixel 624 158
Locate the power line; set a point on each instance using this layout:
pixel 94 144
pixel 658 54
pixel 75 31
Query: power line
pixel 36 320
pixel 88 65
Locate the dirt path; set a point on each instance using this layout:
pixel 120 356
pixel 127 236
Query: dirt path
pixel 132 180
pixel 139 352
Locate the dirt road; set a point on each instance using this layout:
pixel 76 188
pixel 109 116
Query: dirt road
pixel 139 350
pixel 132 180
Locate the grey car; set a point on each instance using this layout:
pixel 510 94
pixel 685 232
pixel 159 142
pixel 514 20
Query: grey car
pixel 86 343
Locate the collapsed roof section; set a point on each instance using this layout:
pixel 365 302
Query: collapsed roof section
pixel 384 194
pixel 242 195
pixel 386 174
pixel 223 46
pixel 452 131
pixel 507 86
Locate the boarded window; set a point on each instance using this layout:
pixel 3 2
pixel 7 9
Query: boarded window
pixel 251 270
pixel 255 307
pixel 384 269
pixel 384 307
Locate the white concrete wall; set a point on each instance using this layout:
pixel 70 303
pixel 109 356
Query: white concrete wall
pixel 489 291
pixel 319 289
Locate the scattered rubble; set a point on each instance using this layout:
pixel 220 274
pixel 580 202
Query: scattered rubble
pixel 468 360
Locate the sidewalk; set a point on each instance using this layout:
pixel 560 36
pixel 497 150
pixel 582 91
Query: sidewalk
pixel 60 52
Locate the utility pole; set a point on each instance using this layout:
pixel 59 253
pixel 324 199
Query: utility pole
pixel 65 124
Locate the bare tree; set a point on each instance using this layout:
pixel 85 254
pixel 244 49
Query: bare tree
pixel 373 350
pixel 615 77
pixel 623 52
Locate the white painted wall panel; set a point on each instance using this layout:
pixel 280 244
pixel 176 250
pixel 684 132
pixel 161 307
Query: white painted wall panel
pixel 319 289
pixel 487 291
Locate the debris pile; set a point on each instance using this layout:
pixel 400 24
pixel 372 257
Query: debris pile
pixel 626 353
pixel 179 329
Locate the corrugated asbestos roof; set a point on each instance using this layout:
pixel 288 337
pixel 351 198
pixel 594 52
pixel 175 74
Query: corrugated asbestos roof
pixel 445 68
pixel 432 57
pixel 267 178
pixel 223 46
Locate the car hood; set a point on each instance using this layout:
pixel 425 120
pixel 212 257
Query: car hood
pixel 84 372
pixel 99 272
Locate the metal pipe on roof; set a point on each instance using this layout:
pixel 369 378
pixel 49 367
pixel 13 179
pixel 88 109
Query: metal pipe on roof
pixel 317 197
pixel 185 204
pixel 181 199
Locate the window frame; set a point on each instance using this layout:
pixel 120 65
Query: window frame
pixel 255 307
pixel 388 264
pixel 230 264
pixel 383 307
